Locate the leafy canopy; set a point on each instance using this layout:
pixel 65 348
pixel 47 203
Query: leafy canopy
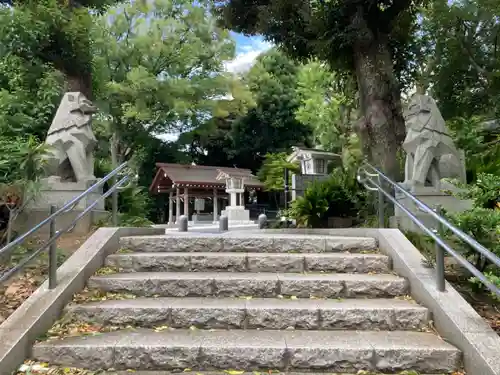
pixel 271 126
pixel 160 68
pixel 272 172
pixel 328 29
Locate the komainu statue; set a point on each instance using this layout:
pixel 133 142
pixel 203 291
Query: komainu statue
pixel 72 139
pixel 431 154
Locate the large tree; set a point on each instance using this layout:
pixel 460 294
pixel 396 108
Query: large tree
pixel 271 126
pixel 366 38
pixel 160 69
pixel 55 32
pixel 462 41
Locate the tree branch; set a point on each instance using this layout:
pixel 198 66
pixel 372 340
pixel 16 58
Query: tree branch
pixel 482 71
pixel 390 14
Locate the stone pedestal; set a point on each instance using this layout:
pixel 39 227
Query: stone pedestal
pixel 55 192
pixel 432 198
pixel 237 215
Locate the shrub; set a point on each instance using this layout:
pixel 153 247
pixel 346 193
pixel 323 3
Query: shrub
pixel 485 192
pixel 339 196
pixel 483 224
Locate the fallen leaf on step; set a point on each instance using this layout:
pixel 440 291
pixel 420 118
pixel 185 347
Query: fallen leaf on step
pixel 293 297
pixel 160 328
pixel 234 372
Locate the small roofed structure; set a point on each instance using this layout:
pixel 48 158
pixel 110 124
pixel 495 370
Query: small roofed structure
pixel 183 181
pixel 313 167
pixel 313 161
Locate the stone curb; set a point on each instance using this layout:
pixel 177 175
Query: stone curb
pixel 37 314
pixel 455 319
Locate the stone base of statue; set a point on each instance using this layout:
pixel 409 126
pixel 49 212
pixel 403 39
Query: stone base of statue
pixel 432 197
pixel 237 215
pixel 55 192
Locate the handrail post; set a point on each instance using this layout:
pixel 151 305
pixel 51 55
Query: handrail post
pixel 114 205
pixel 52 251
pixel 440 272
pixel 381 203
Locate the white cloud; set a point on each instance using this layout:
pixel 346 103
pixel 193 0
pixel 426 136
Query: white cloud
pixel 246 58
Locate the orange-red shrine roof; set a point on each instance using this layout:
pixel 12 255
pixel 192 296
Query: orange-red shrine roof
pixel 169 176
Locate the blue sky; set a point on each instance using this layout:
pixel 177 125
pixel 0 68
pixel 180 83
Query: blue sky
pixel 247 50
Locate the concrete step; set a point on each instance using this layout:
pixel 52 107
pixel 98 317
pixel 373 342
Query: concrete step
pixel 229 284
pixel 334 351
pixel 237 242
pixel 250 262
pixel 264 313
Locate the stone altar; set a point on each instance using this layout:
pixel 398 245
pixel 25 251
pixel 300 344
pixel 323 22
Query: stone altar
pixel 70 163
pixel 431 157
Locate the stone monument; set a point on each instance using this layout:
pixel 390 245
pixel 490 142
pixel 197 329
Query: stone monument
pixel 431 157
pixel 70 163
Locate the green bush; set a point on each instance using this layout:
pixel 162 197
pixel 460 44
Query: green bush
pixel 339 196
pixel 493 278
pixel 483 224
pixel 485 191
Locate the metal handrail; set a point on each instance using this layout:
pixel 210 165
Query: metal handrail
pixel 54 235
pixel 365 178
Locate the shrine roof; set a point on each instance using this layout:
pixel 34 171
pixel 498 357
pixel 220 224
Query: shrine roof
pixel 199 176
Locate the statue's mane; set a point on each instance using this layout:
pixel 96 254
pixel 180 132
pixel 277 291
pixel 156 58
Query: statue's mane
pixel 68 115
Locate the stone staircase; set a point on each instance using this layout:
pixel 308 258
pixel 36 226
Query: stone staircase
pixel 250 302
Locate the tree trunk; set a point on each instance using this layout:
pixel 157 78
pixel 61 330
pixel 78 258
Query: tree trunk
pixel 82 83
pixel 382 130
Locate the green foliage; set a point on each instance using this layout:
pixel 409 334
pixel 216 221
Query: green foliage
pixel 156 75
pixel 339 196
pixel 51 32
pixel 493 278
pixel 310 210
pixel 271 126
pixel 461 40
pixel 485 191
pixel 29 94
pixel 482 224
pixel 22 159
pixel 327 105
pixel 133 200
pixel 482 150
pixel 329 30
pixel 272 172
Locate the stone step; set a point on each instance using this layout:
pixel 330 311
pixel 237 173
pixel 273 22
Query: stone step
pixel 256 243
pixel 235 284
pixel 226 372
pixel 250 262
pixel 334 351
pixel 264 313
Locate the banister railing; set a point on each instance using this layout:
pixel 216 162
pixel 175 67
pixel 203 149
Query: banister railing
pixel 374 179
pixel 121 173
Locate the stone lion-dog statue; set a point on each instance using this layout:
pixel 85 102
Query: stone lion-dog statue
pixel 431 154
pixel 72 140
